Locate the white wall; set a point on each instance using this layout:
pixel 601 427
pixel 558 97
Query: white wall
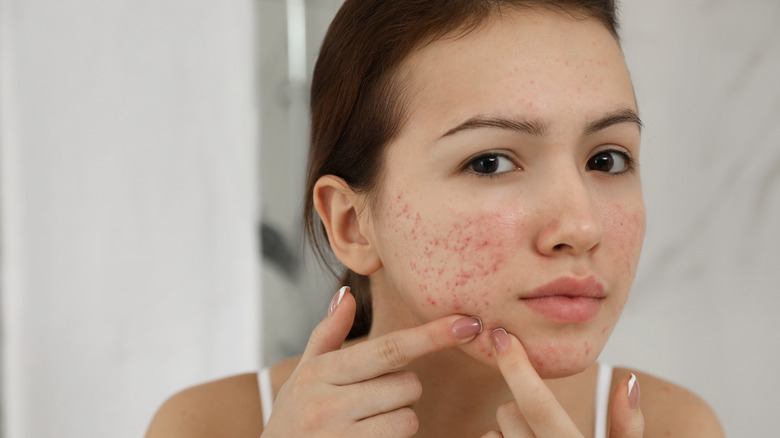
pixel 129 198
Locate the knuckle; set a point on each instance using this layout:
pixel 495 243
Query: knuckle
pixel 391 351
pixel 438 339
pixel 632 428
pixel 411 383
pixel 316 413
pixel 538 397
pixel 305 375
pixel 507 411
pixel 317 334
pixel 402 422
pixel 408 422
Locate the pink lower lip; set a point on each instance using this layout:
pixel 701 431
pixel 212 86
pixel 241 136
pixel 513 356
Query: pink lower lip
pixel 563 309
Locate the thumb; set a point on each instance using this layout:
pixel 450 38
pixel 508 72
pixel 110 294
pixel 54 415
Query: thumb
pixel 627 419
pixel 329 334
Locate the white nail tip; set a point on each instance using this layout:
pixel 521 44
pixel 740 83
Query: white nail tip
pixel 342 291
pixel 631 384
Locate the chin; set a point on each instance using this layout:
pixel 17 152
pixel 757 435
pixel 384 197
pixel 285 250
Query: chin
pixel 551 356
pixel 556 357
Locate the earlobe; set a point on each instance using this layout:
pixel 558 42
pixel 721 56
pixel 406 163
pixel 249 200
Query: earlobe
pixel 348 233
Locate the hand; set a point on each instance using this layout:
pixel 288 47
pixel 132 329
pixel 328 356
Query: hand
pixel 359 391
pixel 535 412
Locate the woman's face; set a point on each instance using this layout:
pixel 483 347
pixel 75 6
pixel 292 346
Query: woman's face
pixel 512 191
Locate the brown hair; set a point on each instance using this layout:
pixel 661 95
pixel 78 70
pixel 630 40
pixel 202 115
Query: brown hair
pixel 357 104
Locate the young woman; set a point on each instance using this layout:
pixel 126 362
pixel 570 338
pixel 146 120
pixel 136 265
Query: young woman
pixel 474 168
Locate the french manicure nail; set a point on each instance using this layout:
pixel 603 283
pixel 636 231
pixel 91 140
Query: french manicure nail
pixel 467 327
pixel 633 392
pixel 500 339
pixel 334 303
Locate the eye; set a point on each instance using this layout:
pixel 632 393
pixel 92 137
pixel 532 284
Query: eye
pixel 490 164
pixel 610 161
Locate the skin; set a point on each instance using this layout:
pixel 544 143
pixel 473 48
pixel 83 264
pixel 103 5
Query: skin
pixel 442 241
pixel 452 240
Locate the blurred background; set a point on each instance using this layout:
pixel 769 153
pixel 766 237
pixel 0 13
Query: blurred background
pixel 151 170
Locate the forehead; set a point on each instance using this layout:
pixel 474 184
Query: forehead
pixel 532 63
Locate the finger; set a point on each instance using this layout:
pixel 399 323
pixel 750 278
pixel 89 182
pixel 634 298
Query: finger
pixel 627 419
pixel 493 434
pixel 383 394
pixel 399 423
pixel 537 403
pixel 512 422
pixel 329 334
pixel 394 350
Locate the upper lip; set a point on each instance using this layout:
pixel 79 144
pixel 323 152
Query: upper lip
pixel 587 287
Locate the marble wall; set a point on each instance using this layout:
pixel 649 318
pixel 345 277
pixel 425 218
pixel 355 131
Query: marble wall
pixel 704 307
pixel 703 310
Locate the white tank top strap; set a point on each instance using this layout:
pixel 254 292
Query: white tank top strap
pixel 266 393
pixel 603 385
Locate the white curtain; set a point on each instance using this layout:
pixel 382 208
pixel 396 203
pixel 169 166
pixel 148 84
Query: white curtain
pixel 130 259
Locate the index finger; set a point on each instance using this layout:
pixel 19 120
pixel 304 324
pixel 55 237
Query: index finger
pixel 538 404
pixel 393 351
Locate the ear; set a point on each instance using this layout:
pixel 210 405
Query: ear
pixel 348 229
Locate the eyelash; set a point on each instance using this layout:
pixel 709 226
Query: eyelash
pixel 630 164
pixel 629 161
pixel 472 161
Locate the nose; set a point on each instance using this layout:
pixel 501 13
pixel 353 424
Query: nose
pixel 570 222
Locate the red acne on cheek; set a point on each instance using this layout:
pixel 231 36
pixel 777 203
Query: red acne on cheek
pixel 477 244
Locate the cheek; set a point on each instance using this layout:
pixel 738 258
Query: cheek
pixel 450 261
pixel 625 227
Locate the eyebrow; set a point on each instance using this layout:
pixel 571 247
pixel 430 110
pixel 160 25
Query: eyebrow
pixel 539 127
pixel 623 115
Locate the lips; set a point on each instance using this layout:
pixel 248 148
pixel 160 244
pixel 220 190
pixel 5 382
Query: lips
pixel 567 299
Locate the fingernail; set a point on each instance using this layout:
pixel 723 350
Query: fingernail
pixel 500 339
pixel 467 327
pixel 633 392
pixel 334 303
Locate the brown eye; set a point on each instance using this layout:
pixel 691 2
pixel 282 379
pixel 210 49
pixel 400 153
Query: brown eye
pixel 613 162
pixel 490 164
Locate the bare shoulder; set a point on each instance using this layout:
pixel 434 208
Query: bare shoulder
pixel 671 410
pixel 225 407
